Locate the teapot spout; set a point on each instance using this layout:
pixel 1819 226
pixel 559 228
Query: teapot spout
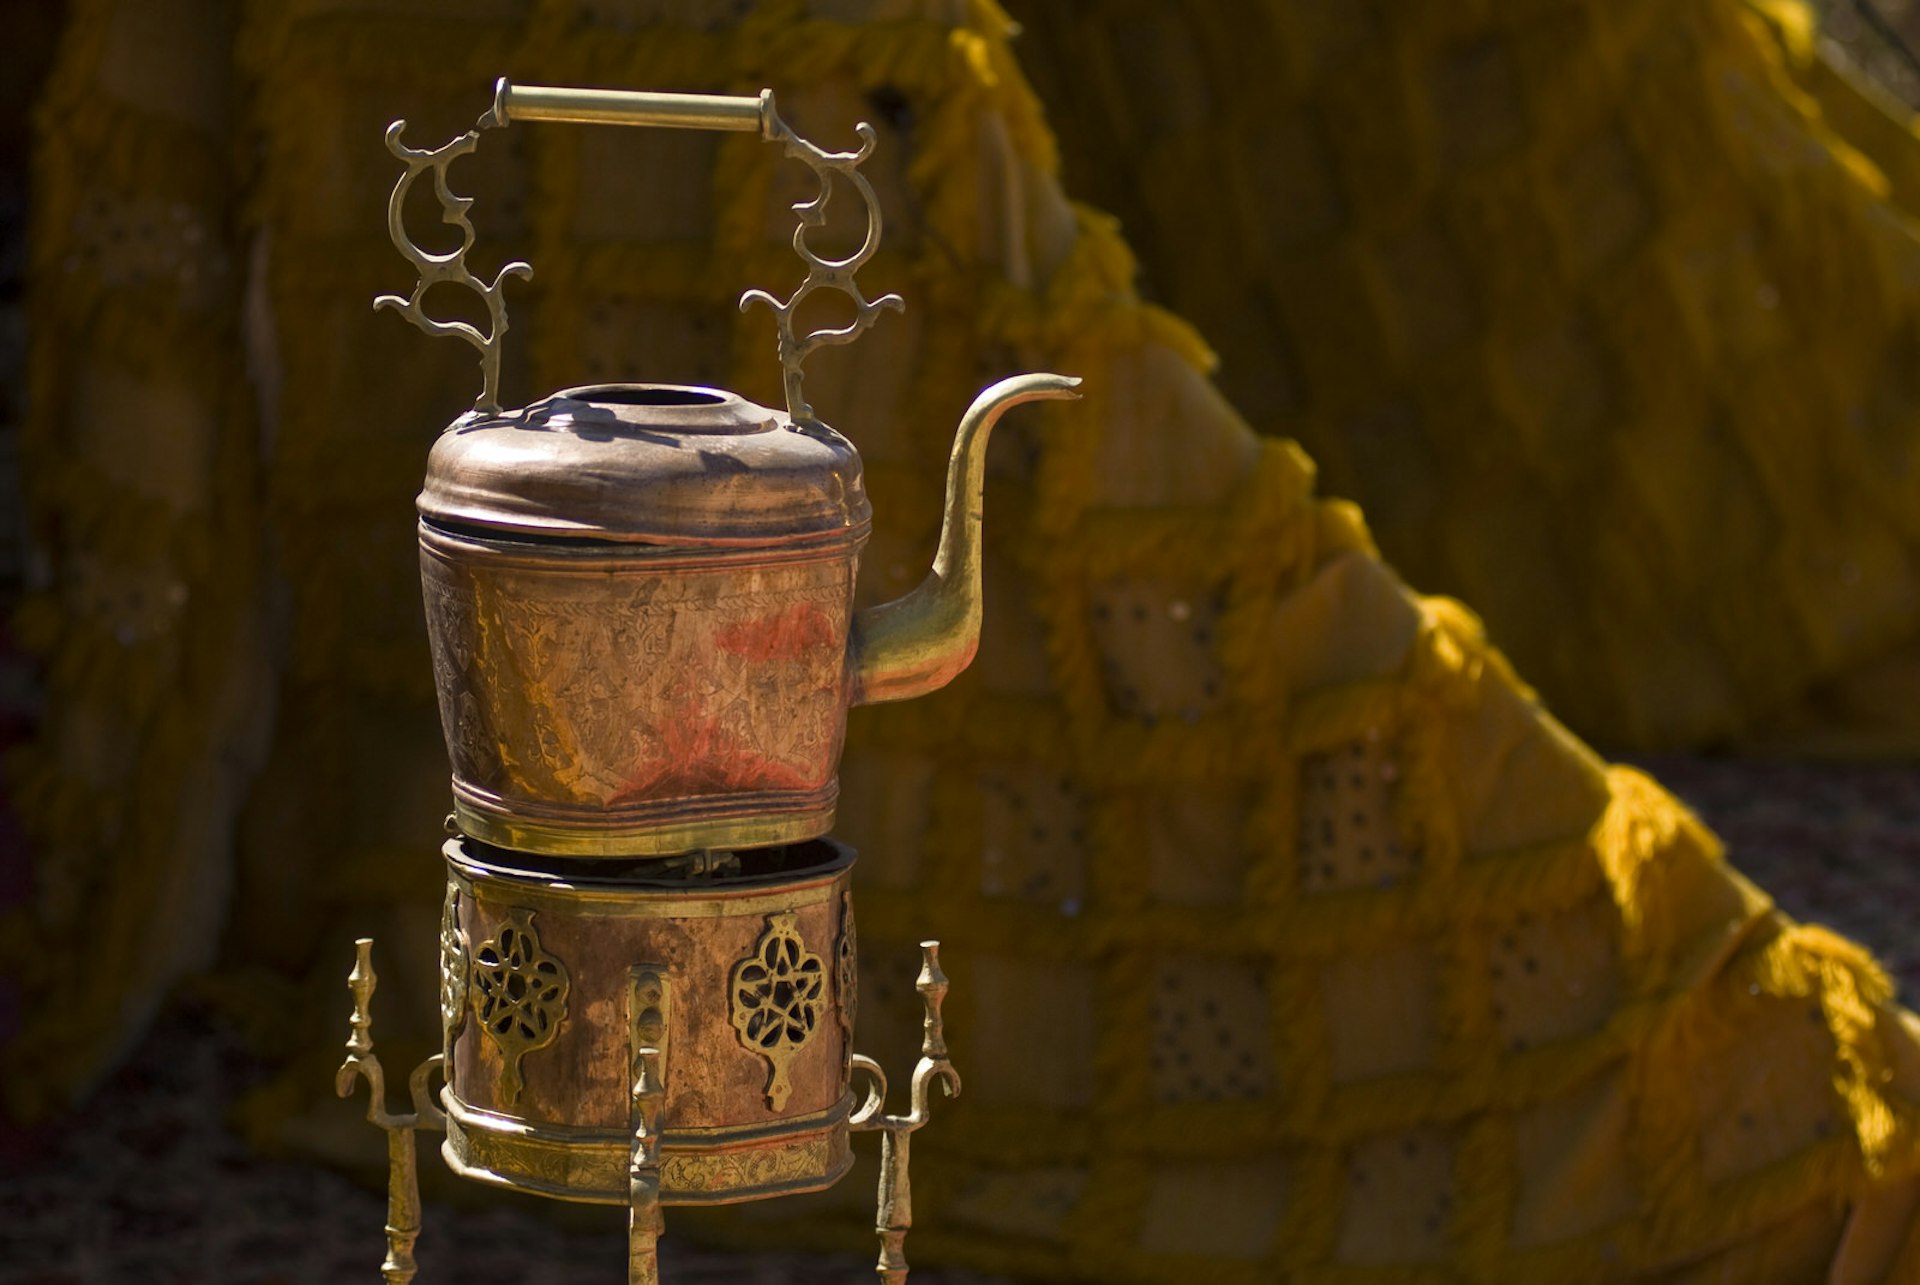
pixel 918 643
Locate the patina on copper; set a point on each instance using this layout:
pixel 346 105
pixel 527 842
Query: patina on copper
pixel 639 600
pixel 640 604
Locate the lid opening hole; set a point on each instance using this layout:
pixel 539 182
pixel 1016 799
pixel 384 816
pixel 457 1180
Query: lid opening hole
pixel 647 395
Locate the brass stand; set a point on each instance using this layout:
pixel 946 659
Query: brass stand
pixel 648 998
pixel 403 1179
pixel 893 1214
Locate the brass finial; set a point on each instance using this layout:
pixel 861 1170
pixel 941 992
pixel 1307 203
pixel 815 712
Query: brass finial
pixel 361 982
pixel 893 1215
pixel 403 1185
pixel 932 985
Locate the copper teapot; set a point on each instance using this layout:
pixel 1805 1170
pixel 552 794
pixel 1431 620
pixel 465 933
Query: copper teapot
pixel 640 596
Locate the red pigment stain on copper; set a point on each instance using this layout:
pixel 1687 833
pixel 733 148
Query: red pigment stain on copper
pixel 699 757
pixel 786 636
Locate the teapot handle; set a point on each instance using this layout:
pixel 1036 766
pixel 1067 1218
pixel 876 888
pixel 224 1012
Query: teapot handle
pixel 741 114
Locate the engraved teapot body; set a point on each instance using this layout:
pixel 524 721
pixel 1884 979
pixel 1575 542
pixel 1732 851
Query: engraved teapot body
pixel 640 604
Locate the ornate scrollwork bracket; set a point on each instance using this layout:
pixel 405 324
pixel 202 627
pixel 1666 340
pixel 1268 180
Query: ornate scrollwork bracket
pixel 403 1175
pixel 823 273
pixel 633 107
pixel 893 1215
pixel 452 266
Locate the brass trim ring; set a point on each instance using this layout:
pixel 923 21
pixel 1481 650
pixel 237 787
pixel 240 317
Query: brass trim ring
pixel 697 1167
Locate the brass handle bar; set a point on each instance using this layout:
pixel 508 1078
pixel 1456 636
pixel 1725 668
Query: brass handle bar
pixel 744 115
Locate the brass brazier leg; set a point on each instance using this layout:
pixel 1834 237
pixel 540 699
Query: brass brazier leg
pixel 403 1179
pixel 647 1025
pixel 893 1215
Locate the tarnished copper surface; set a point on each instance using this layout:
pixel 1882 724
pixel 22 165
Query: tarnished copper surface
pixel 565 1127
pixel 613 699
pixel 642 624
pixel 659 464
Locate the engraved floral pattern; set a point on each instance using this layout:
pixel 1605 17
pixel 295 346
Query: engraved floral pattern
pixel 751 1171
pixel 646 690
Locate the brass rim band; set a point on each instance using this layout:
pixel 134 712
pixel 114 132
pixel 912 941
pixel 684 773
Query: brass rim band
pixel 504 545
pixel 539 891
pixel 707 1167
pixel 749 821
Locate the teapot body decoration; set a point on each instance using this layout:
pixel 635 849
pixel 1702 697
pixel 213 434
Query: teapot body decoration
pixel 640 604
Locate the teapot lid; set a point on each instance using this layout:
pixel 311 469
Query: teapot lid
pixel 647 463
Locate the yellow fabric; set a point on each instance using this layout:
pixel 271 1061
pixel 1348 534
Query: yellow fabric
pixel 139 457
pixel 1606 323
pixel 1290 936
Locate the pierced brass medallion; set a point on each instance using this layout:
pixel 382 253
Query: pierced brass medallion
pixel 519 993
pixel 775 996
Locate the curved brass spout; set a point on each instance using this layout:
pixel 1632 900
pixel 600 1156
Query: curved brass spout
pixel 918 643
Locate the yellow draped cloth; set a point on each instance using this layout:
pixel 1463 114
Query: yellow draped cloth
pixel 1290 935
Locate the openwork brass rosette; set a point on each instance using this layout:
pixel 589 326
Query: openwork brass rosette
pixel 519 993
pixel 775 996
